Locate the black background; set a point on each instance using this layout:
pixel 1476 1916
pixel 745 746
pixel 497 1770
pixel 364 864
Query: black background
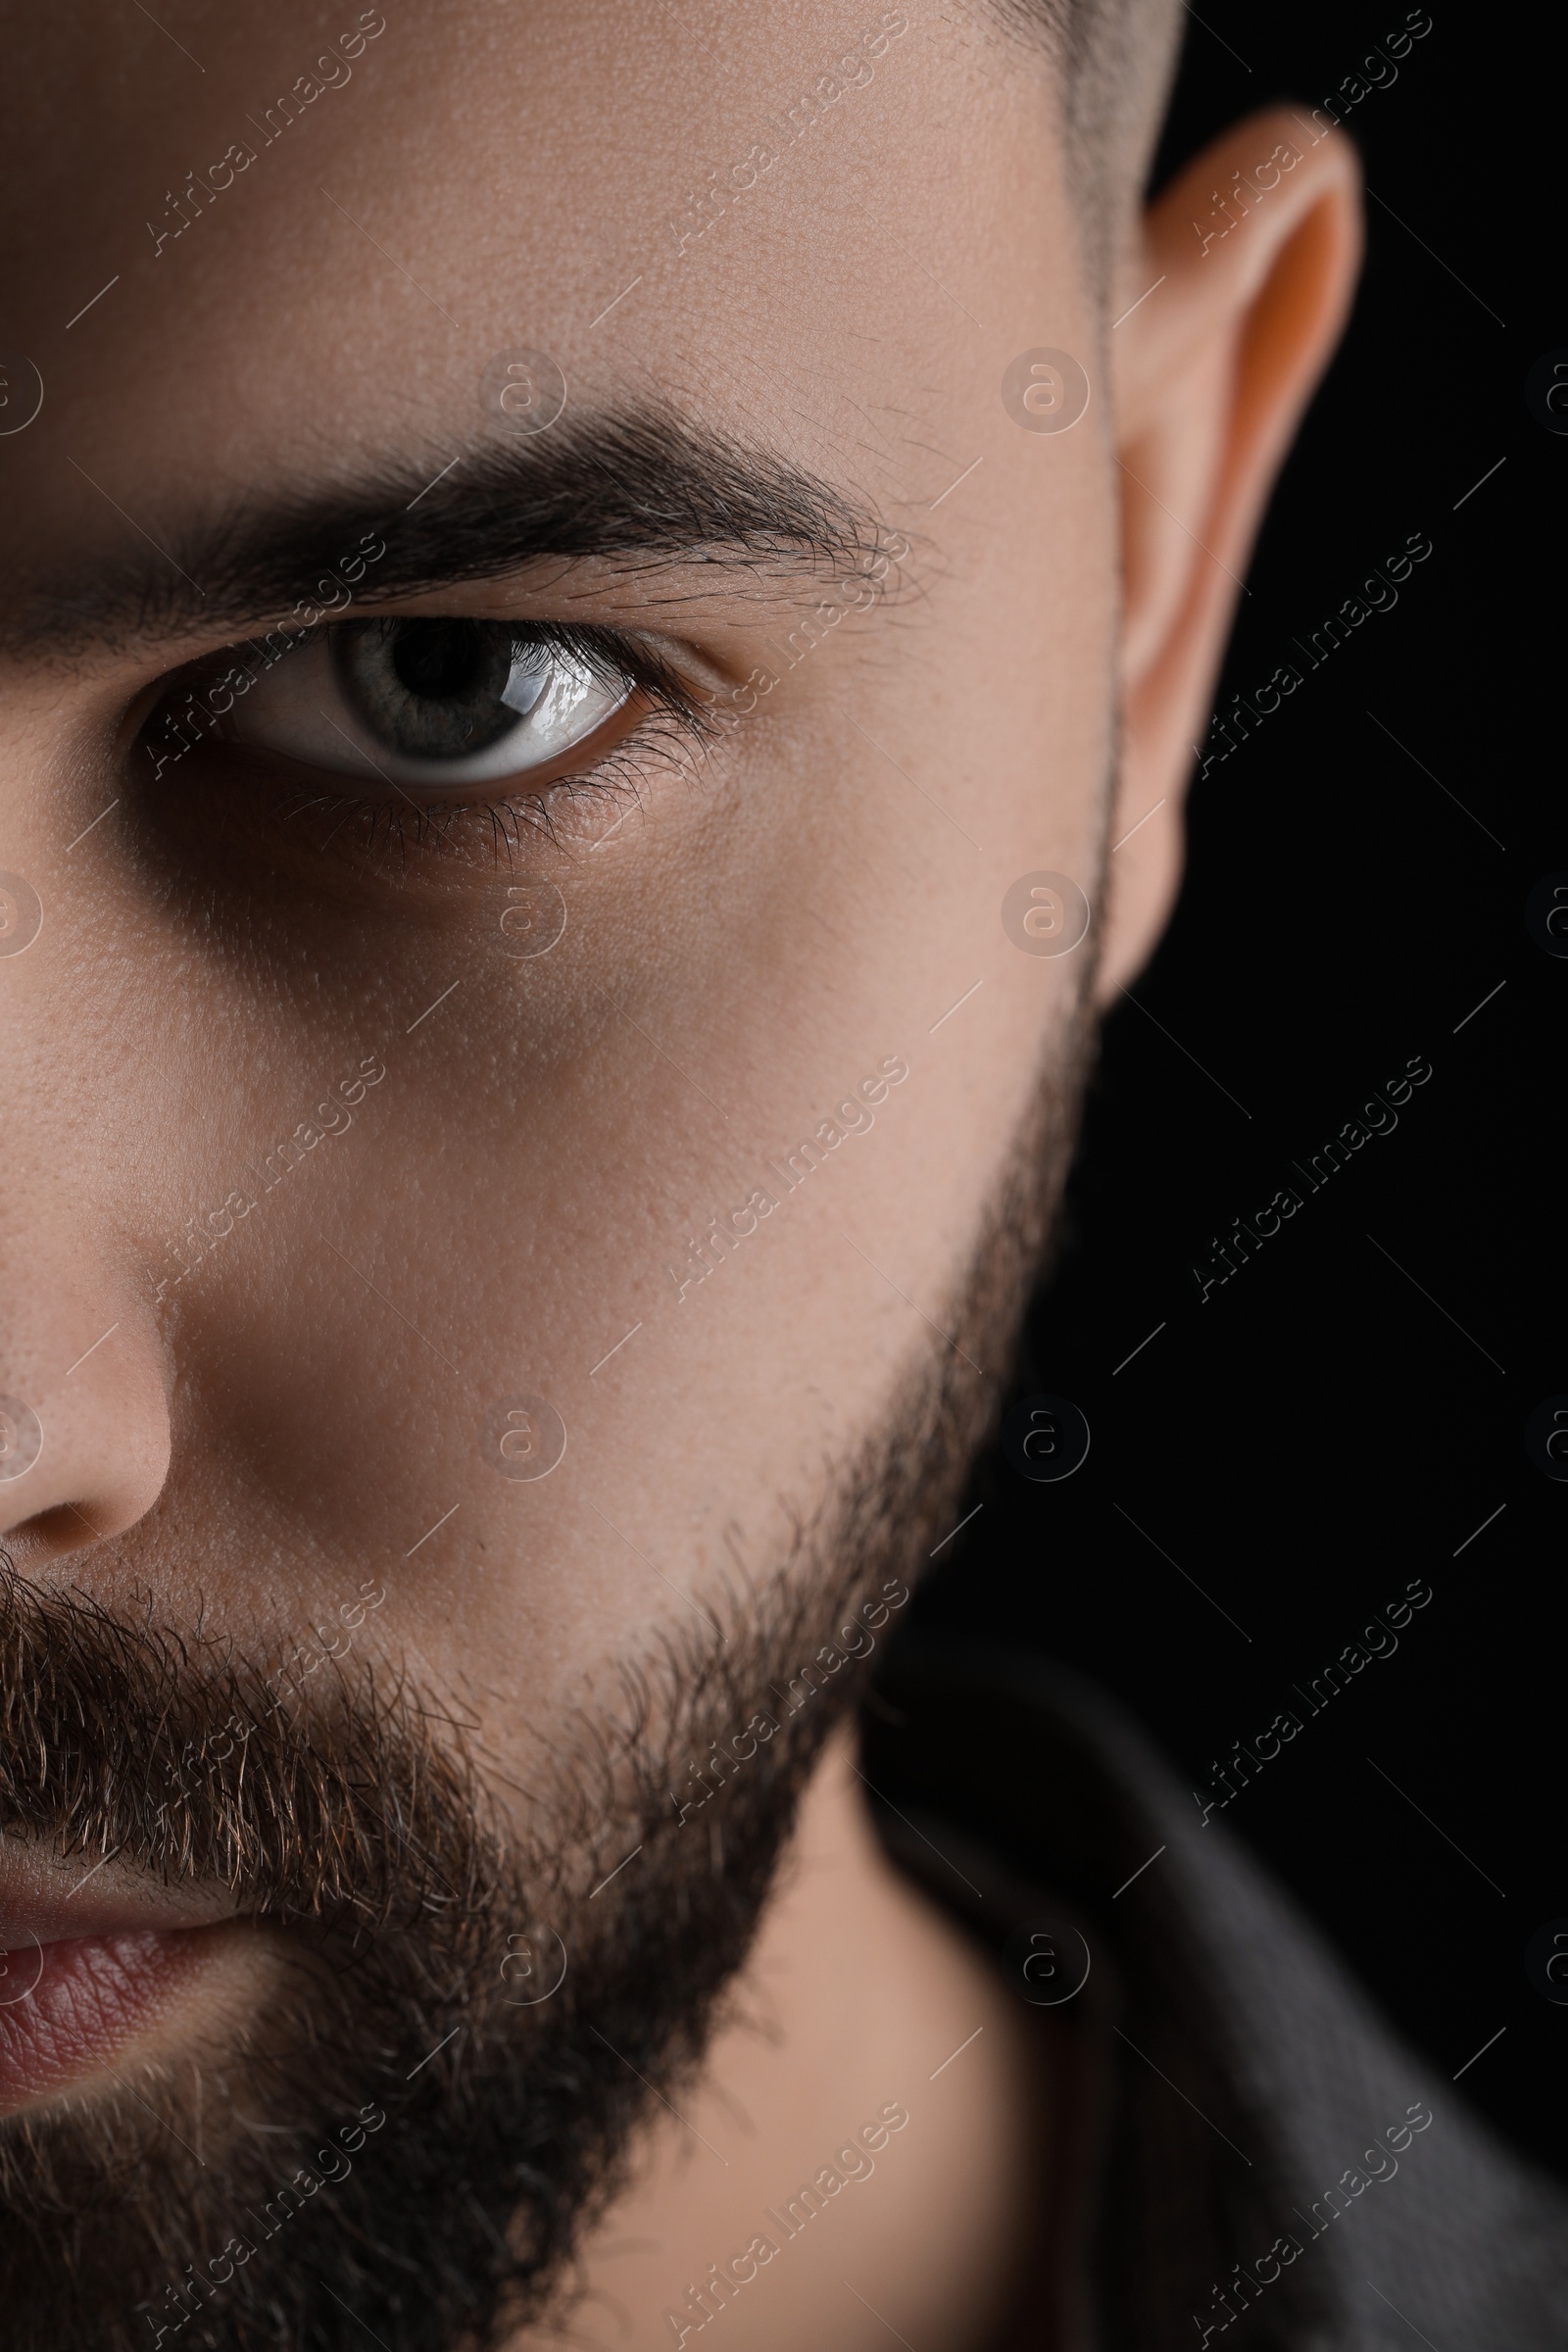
pixel 1318 1432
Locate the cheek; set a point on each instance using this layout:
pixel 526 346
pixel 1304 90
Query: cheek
pixel 567 1154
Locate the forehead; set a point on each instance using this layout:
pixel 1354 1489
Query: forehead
pixel 309 230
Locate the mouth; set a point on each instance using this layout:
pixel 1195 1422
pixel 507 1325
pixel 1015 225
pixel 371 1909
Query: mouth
pixel 85 1987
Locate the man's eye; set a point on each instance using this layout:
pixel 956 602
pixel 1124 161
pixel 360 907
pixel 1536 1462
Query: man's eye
pixel 429 701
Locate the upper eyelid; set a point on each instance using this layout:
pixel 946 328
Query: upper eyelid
pixel 619 613
pixel 279 625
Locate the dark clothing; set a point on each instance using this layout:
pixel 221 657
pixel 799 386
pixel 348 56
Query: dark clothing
pixel 1235 2090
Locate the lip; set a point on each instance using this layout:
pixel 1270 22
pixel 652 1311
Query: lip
pixel 80 2001
pixel 91 1964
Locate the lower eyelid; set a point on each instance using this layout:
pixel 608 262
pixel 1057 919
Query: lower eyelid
pixel 239 804
pixel 507 823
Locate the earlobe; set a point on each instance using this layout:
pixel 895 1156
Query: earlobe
pixel 1249 258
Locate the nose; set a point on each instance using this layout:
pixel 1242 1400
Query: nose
pixel 84 1411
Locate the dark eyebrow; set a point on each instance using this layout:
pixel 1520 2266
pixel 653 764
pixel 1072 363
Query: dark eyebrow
pixel 644 486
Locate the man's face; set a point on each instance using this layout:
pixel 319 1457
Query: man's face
pixel 293 1110
pixel 373 1092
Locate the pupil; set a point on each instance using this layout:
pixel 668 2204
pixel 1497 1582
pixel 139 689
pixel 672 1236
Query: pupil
pixel 439 658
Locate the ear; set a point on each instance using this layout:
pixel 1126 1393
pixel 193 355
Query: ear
pixel 1253 254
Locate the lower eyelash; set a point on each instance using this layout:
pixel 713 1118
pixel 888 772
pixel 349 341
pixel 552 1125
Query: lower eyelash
pixel 676 731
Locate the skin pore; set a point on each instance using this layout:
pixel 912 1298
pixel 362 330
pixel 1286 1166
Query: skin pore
pixel 1014 644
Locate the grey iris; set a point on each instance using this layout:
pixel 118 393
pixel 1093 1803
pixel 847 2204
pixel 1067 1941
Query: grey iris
pixel 438 689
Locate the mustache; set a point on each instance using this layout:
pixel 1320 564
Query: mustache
pixel 185 1758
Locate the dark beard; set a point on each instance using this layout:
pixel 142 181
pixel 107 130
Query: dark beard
pixel 397 2143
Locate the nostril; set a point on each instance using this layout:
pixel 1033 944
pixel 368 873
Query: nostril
pixel 62 1527
pixel 84 1444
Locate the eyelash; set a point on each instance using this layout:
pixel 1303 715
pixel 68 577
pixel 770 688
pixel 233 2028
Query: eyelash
pixel 678 722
